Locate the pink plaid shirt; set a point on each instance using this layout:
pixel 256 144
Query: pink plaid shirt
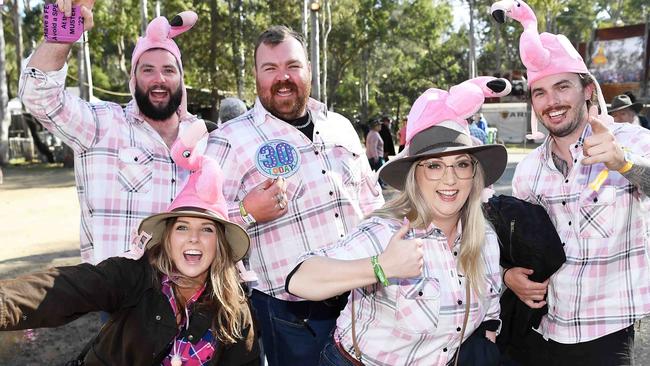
pixel 123 169
pixel 329 185
pixel 604 286
pixel 414 321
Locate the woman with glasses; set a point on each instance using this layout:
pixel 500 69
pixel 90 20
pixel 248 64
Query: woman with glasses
pixel 423 270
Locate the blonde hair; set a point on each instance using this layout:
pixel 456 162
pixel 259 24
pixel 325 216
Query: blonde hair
pixel 411 203
pixel 225 293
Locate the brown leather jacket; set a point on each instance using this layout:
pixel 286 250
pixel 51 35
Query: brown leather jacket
pixel 142 324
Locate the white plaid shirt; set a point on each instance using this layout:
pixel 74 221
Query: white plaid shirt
pixel 329 187
pixel 414 321
pixel 123 169
pixel 604 286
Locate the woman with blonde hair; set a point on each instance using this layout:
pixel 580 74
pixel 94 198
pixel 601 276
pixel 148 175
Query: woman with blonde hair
pixel 177 301
pixel 423 270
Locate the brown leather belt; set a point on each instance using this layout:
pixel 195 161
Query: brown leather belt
pixel 346 355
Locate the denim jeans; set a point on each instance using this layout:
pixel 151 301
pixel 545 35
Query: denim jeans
pixel 293 332
pixel 331 356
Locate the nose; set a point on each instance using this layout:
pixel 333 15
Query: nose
pixel 159 77
pixel 194 236
pixel 449 176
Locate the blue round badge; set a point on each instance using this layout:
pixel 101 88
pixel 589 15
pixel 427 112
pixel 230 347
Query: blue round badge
pixel 277 158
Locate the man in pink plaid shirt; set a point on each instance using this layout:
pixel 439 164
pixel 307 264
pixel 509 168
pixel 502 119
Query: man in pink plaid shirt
pixel 593 178
pixel 123 168
pixel 297 179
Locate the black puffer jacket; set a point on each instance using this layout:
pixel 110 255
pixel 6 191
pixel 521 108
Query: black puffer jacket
pixel 142 324
pixel 528 239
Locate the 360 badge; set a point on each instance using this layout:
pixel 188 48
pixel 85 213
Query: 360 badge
pixel 277 158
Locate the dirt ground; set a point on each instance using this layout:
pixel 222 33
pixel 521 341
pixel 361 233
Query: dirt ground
pixel 39 216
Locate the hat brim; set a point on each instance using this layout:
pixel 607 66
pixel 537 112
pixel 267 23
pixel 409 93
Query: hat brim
pixel 237 238
pixel 636 107
pixel 493 159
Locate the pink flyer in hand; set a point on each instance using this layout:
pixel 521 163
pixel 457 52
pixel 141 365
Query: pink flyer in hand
pixel 59 28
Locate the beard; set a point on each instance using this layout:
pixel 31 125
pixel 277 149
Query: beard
pixel 286 109
pixel 158 113
pixel 570 127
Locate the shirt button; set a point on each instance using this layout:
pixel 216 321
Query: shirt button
pixel 458 329
pixel 444 349
pixel 331 193
pixel 317 132
pixel 460 302
pixel 595 199
pixel 455 253
pixel 563 203
pixel 569 223
pixel 173 180
pixel 342 235
pixel 135 159
pixel 420 293
pixel 158 317
pixel 576 146
pixel 336 215
pixel 566 181
pixel 190 337
pixel 575 160
pixel 316 152
pixel 323 171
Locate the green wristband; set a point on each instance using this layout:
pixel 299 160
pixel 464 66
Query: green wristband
pixel 379 272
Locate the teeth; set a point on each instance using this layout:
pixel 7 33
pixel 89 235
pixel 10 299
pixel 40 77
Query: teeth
pixel 448 193
pixel 192 252
pixel 556 113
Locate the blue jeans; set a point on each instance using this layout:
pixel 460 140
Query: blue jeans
pixel 294 332
pixel 331 356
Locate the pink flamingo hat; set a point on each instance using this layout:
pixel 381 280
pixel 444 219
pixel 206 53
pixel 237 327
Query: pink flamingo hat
pixel 159 35
pixel 543 54
pixel 437 124
pixel 201 197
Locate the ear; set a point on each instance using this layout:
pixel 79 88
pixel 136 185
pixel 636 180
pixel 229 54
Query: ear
pixel 589 91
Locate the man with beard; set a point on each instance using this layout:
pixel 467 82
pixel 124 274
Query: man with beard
pixel 297 179
pixel 123 168
pixel 593 178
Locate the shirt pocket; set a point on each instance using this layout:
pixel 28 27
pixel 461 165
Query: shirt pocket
pixel 597 213
pixel 418 305
pixel 350 170
pixel 135 170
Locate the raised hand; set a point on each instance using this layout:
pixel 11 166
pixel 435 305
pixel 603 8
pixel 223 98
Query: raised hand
pixel 403 258
pixel 86 10
pixel 601 146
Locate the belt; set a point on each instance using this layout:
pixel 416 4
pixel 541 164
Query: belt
pixel 346 355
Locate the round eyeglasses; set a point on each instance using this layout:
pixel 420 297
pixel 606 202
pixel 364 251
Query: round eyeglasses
pixel 436 169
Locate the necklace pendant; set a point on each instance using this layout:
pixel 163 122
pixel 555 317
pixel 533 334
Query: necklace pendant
pixel 176 360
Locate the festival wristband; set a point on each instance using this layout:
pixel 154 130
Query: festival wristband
pixel 628 162
pixel 59 28
pixel 247 217
pixel 379 272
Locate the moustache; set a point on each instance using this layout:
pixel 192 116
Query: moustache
pixel 285 84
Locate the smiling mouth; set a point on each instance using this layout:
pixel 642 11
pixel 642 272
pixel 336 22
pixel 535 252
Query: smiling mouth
pixel 193 255
pixel 448 195
pixel 557 115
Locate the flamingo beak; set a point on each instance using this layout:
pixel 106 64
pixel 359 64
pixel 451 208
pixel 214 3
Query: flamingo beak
pixel 499 15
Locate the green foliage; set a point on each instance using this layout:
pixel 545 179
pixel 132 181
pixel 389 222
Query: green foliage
pixel 405 46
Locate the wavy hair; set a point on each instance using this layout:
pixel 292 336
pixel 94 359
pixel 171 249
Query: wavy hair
pixel 225 293
pixel 411 203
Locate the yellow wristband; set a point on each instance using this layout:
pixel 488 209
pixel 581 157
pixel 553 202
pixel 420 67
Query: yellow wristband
pixel 628 165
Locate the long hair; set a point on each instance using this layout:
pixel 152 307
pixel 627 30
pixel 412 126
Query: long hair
pixel 411 203
pixel 224 292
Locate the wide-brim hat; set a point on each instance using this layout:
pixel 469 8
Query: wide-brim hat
pixel 623 101
pixel 440 140
pixel 237 238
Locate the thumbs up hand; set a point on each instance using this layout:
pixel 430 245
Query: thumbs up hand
pixel 601 146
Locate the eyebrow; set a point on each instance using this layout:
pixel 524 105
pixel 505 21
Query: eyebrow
pixel 163 66
pixel 554 85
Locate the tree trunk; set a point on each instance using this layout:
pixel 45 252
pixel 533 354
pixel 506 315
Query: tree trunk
pixel 144 17
pixel 327 28
pixel 213 67
pixel 236 10
pixel 18 39
pixel 5 119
